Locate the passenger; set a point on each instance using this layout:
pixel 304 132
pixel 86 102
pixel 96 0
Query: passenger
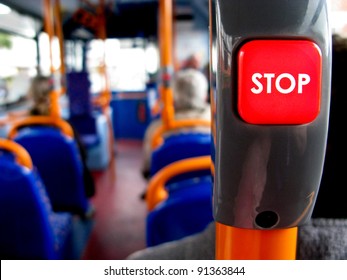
pixel 325 236
pixel 192 62
pixel 190 93
pixel 38 96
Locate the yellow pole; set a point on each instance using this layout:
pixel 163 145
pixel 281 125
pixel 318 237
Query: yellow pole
pixel 252 244
pixel 102 34
pixel 106 95
pixel 59 32
pixel 165 44
pixel 49 28
pixel 48 24
pixel 249 244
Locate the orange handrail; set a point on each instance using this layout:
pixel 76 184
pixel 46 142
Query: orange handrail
pixel 42 120
pixel 156 189
pixel 157 138
pixel 22 157
pixel 255 244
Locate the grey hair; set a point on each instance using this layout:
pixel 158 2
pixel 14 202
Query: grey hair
pixel 190 88
pixel 39 93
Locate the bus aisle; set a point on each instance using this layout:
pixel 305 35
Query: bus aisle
pixel 119 220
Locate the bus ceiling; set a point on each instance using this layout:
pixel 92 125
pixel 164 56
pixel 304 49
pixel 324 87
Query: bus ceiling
pixel 125 18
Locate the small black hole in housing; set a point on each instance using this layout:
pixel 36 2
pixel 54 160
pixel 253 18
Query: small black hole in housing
pixel 267 219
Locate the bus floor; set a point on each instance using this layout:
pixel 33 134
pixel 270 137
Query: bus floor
pixel 119 220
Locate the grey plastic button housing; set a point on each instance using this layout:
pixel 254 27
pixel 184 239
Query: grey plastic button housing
pixel 266 176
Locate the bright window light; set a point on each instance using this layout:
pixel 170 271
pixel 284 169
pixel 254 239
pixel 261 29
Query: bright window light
pixel 152 59
pixel 4 10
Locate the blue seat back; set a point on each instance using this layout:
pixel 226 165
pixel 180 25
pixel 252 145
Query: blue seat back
pixel 86 127
pixel 29 227
pixel 78 91
pixel 188 210
pixel 81 109
pixel 58 161
pixel 181 146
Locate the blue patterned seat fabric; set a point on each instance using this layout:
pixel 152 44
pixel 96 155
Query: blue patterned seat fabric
pixel 59 164
pixel 29 227
pixel 181 146
pixel 187 210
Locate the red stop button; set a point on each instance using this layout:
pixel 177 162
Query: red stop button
pixel 279 81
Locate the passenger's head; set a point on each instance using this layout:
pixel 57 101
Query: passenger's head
pixel 193 61
pixel 190 88
pixel 39 91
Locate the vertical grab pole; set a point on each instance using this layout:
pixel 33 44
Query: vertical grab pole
pixel 102 34
pixel 271 118
pixel 165 44
pixel 49 28
pixel 60 35
pixel 250 244
pixel 106 93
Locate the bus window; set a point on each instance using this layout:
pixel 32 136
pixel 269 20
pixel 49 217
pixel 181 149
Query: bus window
pixel 126 64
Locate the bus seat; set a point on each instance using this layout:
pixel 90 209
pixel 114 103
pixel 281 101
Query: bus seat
pixel 58 161
pixel 186 211
pixel 85 126
pixel 87 121
pixel 29 227
pixel 78 90
pixel 180 146
pixel 181 208
pixel 99 156
pixel 81 111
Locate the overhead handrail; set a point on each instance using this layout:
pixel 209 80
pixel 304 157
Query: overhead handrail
pixel 156 189
pixel 22 157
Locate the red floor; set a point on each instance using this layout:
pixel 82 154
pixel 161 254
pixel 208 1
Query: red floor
pixel 119 221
